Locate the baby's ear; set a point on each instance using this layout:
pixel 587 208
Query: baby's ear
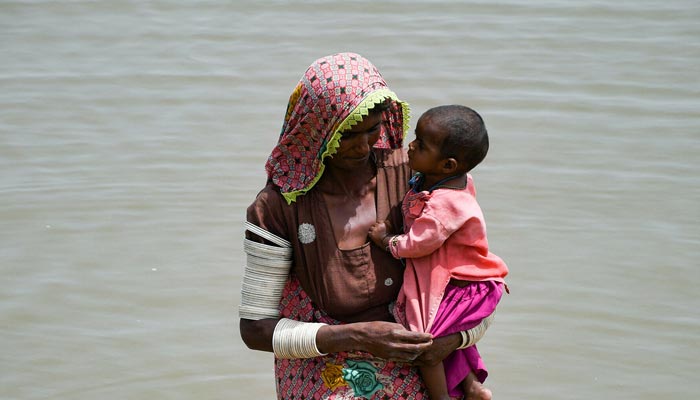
pixel 449 165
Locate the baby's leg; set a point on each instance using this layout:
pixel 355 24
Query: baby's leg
pixel 473 389
pixel 434 378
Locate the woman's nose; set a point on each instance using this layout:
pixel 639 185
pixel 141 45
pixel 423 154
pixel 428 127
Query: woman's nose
pixel 365 141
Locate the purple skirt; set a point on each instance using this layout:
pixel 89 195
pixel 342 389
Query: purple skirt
pixel 463 308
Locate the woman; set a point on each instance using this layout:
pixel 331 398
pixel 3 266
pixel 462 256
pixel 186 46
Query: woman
pixel 338 167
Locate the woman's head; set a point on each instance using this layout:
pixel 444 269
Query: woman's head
pixel 335 95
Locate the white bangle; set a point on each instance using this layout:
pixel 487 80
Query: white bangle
pixel 266 272
pixel 473 335
pixel 465 340
pixel 296 339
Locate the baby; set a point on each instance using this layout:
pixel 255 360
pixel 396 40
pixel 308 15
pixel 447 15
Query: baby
pixel 451 282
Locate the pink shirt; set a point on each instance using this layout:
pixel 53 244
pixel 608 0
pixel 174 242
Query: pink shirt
pixel 445 237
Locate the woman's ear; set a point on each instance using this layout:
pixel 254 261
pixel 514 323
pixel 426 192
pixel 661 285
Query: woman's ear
pixel 449 165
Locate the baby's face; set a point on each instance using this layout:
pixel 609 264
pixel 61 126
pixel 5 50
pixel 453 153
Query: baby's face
pixel 424 154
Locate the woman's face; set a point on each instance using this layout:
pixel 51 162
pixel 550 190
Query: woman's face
pixel 356 144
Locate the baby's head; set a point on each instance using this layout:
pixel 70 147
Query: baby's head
pixel 459 133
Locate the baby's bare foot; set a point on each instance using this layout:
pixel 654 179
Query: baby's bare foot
pixel 478 392
pixel 475 390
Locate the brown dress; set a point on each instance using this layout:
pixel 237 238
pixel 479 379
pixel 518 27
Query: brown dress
pixel 349 285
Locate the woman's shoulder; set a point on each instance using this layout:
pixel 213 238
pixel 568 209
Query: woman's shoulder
pixel 270 192
pixel 269 200
pixel 269 211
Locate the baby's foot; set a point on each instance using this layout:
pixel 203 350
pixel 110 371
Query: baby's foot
pixel 475 390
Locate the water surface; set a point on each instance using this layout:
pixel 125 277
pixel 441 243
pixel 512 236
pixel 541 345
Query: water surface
pixel 133 135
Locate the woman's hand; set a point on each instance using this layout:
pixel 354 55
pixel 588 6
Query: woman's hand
pixel 386 340
pixel 439 350
pixel 391 341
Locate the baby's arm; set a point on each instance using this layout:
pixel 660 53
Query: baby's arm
pixel 426 235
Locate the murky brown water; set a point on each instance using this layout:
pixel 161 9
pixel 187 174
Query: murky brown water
pixel 133 135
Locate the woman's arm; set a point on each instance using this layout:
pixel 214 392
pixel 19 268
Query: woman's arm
pixel 443 346
pixel 386 340
pixel 439 349
pixel 257 335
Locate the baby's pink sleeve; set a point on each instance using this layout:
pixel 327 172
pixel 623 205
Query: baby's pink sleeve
pixel 426 235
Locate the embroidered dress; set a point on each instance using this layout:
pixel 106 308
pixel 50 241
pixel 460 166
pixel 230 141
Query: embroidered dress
pixel 339 375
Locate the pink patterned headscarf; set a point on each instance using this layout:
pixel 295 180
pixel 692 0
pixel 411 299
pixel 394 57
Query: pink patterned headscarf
pixel 335 93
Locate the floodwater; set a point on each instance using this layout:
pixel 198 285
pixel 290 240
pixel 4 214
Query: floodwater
pixel 134 134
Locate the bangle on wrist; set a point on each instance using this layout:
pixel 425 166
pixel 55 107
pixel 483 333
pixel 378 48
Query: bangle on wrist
pixel 391 245
pixel 385 242
pixel 296 339
pixel 465 340
pixel 473 335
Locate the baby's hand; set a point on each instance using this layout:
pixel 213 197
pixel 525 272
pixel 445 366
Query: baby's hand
pixel 377 232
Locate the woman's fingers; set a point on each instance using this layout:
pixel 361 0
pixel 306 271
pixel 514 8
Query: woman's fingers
pixel 410 337
pixel 392 341
pixel 410 345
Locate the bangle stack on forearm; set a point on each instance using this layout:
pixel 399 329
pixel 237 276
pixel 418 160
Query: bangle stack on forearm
pixel 296 339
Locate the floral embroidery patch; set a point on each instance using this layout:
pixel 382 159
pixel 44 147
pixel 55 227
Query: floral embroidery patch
pixel 362 378
pixel 307 233
pixel 332 376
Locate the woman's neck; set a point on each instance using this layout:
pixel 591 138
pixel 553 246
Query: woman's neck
pixel 336 181
pixel 349 196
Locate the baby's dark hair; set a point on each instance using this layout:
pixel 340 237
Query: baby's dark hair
pixel 466 138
